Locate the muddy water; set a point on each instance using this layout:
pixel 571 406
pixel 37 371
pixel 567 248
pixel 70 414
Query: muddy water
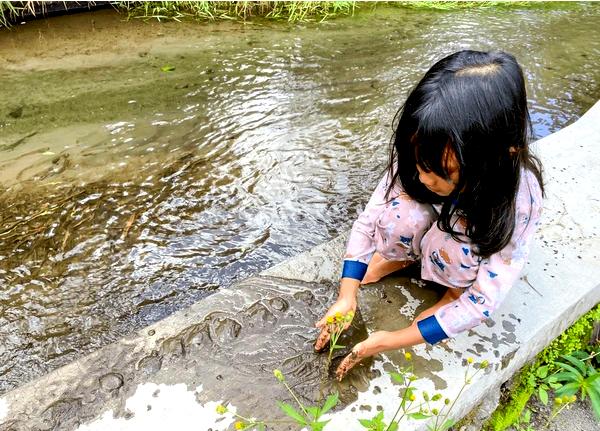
pixel 128 192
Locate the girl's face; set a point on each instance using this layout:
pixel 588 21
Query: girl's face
pixel 435 183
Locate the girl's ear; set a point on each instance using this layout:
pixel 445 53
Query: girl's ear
pixel 512 151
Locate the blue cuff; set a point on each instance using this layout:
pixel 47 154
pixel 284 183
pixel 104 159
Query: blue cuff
pixel 354 269
pixel 431 330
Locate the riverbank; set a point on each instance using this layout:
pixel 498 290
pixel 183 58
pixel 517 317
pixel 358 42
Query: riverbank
pixel 222 350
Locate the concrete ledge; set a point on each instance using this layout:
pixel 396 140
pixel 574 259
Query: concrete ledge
pixel 225 347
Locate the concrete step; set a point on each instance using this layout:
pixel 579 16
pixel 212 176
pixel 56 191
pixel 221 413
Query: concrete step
pixel 223 349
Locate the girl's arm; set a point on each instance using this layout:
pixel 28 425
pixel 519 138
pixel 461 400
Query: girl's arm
pixel 495 277
pixel 359 250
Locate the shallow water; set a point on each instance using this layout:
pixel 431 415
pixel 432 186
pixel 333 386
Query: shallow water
pixel 128 193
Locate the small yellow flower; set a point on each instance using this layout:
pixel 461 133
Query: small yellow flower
pixel 573 398
pixel 484 364
pixel 349 316
pixel 565 398
pixel 469 360
pixel 558 401
pixel 239 425
pixel 221 409
pixel 407 356
pixel 279 375
pixel 412 397
pixel 330 320
pixel 339 317
pixel 435 411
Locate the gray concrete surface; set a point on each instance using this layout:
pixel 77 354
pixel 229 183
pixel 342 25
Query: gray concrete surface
pixel 223 349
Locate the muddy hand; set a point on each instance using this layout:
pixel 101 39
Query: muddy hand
pixel 377 342
pixel 343 306
pixel 322 339
pixel 348 363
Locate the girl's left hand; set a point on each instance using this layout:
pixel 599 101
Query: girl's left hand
pixel 373 345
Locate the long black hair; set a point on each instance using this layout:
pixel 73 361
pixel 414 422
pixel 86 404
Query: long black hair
pixel 475 104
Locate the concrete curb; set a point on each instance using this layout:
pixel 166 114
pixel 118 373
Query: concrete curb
pixel 180 355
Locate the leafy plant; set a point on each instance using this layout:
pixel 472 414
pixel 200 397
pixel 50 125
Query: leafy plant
pixel 309 416
pixel 335 326
pixel 579 375
pixel 426 409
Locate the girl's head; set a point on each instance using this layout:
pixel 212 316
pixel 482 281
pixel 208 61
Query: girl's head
pixel 463 134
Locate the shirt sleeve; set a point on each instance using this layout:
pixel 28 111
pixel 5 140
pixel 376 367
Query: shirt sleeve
pixel 495 277
pixel 361 244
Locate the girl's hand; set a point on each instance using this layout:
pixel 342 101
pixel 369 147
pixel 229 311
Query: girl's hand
pixel 343 305
pixel 376 343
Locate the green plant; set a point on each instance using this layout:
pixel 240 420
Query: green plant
pixel 437 413
pixel 306 417
pixel 243 424
pixel 576 337
pixel 335 327
pixel 579 375
pixel 310 415
pixel 524 422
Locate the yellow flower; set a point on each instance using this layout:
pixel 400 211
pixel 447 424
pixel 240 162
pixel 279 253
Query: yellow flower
pixel 469 360
pixel 558 401
pixel 573 398
pixel 221 409
pixel 239 425
pixel 330 320
pixel 339 317
pixel 349 316
pixel 412 397
pixel 279 375
pixel 407 356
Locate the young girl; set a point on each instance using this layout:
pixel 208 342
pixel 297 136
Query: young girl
pixel 462 194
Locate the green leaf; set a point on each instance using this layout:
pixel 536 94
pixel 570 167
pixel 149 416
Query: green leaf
pixel 318 426
pixel 595 399
pixel 555 385
pixel 565 377
pixel 398 378
pixel 418 415
pixel 542 372
pixel 330 402
pixel 448 424
pixel 337 346
pixel 571 369
pixel 366 423
pixel 314 412
pixel 167 68
pixel 527 416
pixel 579 364
pixel 568 389
pixel 291 412
pixel 591 379
pixel 543 396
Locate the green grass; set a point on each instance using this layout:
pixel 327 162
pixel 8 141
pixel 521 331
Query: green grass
pixel 577 337
pixel 292 11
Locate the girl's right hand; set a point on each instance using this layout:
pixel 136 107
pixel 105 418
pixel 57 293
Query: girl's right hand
pixel 343 305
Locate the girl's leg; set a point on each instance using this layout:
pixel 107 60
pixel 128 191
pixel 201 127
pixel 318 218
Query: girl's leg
pixel 379 267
